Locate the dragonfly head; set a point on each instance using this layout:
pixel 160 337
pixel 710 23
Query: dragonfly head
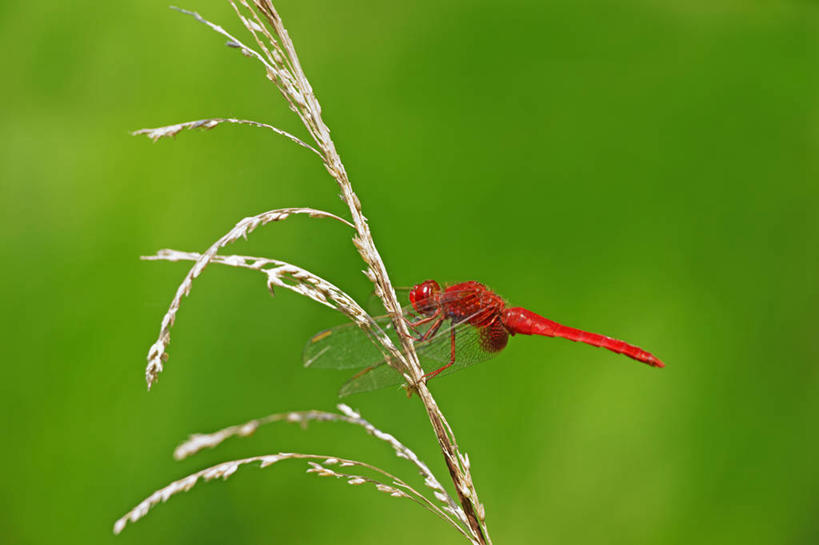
pixel 424 297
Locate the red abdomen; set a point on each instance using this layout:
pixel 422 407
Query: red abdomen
pixel 526 322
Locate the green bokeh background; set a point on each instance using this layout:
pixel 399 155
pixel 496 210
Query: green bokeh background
pixel 645 169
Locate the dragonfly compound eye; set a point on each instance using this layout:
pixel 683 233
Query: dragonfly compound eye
pixel 424 297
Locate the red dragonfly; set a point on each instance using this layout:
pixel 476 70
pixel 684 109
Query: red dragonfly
pixel 478 325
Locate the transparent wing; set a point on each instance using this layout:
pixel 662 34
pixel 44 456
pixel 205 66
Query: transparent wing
pixel 346 347
pixel 372 378
pixel 471 347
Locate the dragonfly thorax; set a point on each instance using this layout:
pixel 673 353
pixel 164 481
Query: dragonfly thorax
pixel 472 302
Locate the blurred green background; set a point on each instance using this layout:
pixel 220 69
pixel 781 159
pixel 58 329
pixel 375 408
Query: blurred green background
pixel 646 169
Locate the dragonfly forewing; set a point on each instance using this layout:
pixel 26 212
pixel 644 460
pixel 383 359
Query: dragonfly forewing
pixel 433 354
pixel 346 347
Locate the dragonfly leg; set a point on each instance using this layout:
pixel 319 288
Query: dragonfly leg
pixel 439 319
pixel 451 358
pixel 432 330
pixel 422 321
